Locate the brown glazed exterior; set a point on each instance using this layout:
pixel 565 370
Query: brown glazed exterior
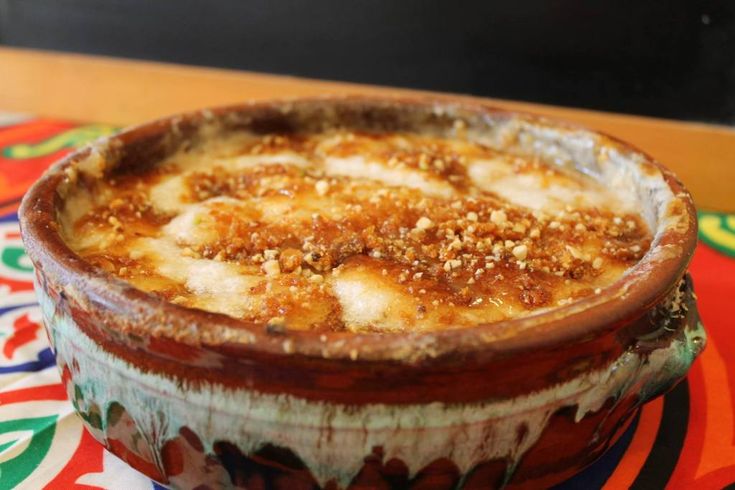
pixel 516 370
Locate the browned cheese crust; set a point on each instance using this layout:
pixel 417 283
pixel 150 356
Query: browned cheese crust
pixel 358 231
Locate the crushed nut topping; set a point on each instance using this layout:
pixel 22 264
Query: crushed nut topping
pixel 280 228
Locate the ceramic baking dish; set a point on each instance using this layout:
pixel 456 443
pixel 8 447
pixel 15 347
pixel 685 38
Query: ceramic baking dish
pixel 194 398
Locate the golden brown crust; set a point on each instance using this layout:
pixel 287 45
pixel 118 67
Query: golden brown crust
pixel 450 252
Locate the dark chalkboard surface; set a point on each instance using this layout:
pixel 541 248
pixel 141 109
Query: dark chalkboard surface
pixel 670 59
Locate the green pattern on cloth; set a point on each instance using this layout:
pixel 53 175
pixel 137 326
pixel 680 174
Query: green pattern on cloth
pixel 718 231
pixel 72 138
pixel 15 470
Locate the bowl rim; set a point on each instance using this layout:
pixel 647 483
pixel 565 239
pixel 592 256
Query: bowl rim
pixel 130 310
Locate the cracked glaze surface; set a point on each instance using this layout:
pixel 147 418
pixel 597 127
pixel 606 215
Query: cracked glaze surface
pixel 332 440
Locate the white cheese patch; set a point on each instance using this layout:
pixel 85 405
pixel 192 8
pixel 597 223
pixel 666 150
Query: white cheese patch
pixel 185 229
pixel 168 195
pixel 94 165
pixel 358 168
pixel 196 226
pixel 537 190
pixel 99 240
pixel 369 300
pixel 77 205
pixel 221 287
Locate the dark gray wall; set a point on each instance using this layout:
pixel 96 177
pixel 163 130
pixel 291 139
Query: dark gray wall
pixel 671 59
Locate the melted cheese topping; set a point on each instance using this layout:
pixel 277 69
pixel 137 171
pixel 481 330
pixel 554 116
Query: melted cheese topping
pixel 357 231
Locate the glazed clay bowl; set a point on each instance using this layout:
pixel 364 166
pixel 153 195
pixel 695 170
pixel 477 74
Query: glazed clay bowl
pixel 192 398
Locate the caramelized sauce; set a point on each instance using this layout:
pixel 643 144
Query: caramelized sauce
pixel 360 232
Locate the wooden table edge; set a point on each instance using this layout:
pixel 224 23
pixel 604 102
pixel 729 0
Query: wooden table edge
pixel 122 91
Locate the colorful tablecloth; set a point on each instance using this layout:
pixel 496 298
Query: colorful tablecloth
pixel 684 440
